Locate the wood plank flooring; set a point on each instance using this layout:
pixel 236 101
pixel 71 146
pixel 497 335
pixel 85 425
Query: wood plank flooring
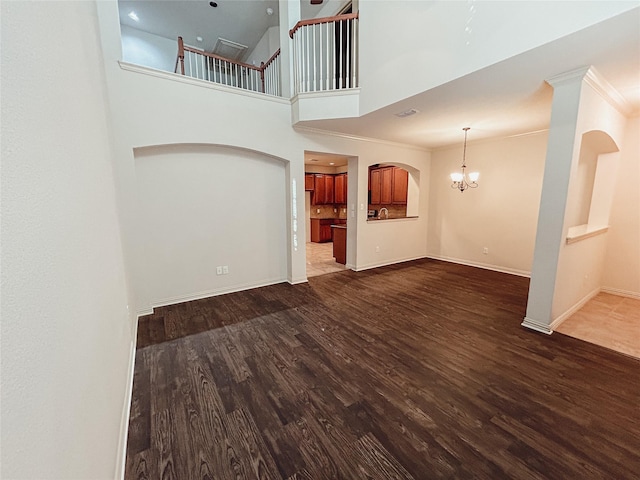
pixel 418 370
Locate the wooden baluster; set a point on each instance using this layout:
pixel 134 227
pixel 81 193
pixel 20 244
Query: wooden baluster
pixel 180 56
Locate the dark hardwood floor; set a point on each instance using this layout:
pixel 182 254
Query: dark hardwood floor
pixel 418 370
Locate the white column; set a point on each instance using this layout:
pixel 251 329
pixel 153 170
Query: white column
pixel 555 188
pixel 289 15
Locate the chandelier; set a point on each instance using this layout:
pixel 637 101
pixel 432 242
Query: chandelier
pixel 460 179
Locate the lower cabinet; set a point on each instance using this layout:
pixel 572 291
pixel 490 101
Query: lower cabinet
pixel 321 229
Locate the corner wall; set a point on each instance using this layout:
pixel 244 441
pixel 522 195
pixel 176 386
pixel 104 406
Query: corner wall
pixel 66 331
pixel 501 214
pixel 622 261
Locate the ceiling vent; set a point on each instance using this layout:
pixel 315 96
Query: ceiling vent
pixel 228 49
pixel 407 113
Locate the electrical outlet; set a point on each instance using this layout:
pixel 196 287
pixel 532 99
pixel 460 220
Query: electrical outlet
pixel 377 249
pixel 225 269
pixel 218 270
pixel 485 250
pixel 335 210
pixel 317 210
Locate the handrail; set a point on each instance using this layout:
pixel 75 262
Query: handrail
pixel 268 62
pixel 218 57
pixel 182 48
pixel 318 21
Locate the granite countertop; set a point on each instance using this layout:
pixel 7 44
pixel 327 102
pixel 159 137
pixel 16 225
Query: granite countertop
pixel 376 219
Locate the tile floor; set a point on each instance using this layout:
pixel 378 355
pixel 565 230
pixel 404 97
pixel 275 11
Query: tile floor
pixel 320 259
pixel 608 320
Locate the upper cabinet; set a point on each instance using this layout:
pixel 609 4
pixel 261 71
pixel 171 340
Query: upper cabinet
pixel 388 185
pixel 340 189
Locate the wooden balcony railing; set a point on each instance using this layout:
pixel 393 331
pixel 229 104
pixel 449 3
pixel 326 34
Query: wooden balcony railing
pixel 325 53
pixel 214 68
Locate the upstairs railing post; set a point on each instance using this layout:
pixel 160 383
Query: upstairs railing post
pixel 262 67
pixel 180 58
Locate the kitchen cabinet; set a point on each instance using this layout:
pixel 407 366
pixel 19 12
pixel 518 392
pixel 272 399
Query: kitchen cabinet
pixel 340 244
pixel 321 229
pixel 388 185
pixel 374 186
pixel 340 189
pixel 323 189
pixel 400 186
pixel 309 182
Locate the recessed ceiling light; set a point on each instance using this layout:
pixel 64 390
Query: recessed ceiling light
pixel 269 11
pixel 133 16
pixel 331 163
pixel 199 38
pixel 407 113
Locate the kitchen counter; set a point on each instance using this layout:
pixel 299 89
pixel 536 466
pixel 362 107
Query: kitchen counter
pixel 339 233
pixel 376 219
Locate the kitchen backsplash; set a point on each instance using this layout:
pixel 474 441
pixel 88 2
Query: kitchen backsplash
pixel 395 211
pixel 326 211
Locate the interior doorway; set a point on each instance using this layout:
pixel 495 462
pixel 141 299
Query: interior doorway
pixel 326 184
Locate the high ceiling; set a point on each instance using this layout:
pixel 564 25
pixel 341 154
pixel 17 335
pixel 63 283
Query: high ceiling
pixel 507 98
pixel 241 21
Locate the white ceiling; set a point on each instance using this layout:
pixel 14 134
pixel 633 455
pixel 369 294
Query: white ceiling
pixel 241 21
pixel 510 97
pixel 507 98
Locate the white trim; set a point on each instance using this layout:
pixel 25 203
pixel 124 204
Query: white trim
pixel 145 311
pixel 537 326
pixel 556 323
pixel 126 413
pixel 331 133
pixel 480 141
pixel 326 93
pixel 582 232
pixel 298 282
pixel 567 77
pixel 176 77
pixel 486 266
pixel 384 264
pixel 595 80
pixel 621 293
pixel 214 293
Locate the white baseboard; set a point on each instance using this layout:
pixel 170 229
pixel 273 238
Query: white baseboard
pixel 537 326
pixel 621 293
pixel 556 323
pixel 384 264
pixel 126 412
pixel 486 266
pixel 214 293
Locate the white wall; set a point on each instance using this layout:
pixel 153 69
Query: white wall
pixel 458 37
pixel 66 334
pixel 206 206
pixel 150 50
pixel 622 261
pixel 267 46
pixel 580 265
pixel 500 214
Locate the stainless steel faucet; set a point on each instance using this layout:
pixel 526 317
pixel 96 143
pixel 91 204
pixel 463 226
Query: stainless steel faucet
pixel 386 213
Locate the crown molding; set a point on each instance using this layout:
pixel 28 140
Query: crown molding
pixel 331 133
pixel 598 83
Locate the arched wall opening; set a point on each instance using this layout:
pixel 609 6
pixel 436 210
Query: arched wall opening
pixel 401 187
pixel 213 219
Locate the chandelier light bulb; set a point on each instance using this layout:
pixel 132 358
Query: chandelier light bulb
pixel 459 179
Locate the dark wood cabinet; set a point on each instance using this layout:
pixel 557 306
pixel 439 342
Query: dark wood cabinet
pixel 340 189
pixel 340 244
pixel 321 229
pixel 400 186
pixel 388 185
pixel 323 189
pixel 374 186
pixel 309 182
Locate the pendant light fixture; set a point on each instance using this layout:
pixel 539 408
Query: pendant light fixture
pixel 460 179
